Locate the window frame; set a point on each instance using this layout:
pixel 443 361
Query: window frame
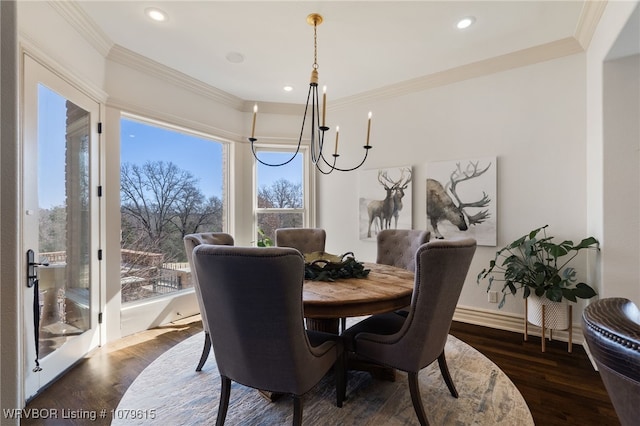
pixel 308 186
pixel 227 157
pixel 139 315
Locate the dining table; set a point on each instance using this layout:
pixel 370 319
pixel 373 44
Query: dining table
pixel 385 289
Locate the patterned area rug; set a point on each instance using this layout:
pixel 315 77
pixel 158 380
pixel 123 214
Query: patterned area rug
pixel 170 392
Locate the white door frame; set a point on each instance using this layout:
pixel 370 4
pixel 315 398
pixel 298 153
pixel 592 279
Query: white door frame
pixel 57 363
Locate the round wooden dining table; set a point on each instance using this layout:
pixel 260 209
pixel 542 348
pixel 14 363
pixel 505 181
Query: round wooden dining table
pixel 385 289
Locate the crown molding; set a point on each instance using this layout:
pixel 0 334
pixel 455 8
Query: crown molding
pixel 82 23
pixel 274 107
pixel 545 52
pixel 589 18
pixel 29 47
pixel 150 67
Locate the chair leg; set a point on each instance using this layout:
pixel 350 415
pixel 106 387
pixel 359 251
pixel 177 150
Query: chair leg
pixel 416 399
pixel 343 324
pixel 225 392
pixel 340 372
pixel 205 351
pixel 297 410
pixel 444 369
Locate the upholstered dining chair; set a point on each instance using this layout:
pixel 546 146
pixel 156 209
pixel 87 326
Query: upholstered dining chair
pixel 398 247
pixel 306 240
pixel 253 302
pixel 190 242
pixel 611 328
pixel 412 343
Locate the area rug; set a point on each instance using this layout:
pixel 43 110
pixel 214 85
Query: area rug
pixel 170 392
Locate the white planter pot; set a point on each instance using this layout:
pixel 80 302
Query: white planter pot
pixel 556 316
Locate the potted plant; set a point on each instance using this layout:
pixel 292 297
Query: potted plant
pixel 537 265
pixel 263 239
pixel 540 267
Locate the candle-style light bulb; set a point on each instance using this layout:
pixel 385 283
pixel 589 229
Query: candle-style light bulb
pixel 324 104
pixel 253 126
pixel 368 128
pixel 337 133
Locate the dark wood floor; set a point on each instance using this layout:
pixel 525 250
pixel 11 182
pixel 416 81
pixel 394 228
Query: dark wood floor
pixel 560 388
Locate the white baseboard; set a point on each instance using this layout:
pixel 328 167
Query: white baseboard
pixel 512 322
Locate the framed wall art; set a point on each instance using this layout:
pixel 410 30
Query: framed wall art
pixel 384 200
pixel 461 199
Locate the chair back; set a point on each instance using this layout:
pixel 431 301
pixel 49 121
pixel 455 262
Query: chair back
pixel 441 269
pixel 611 328
pixel 190 242
pixel 253 300
pixel 398 247
pixel 306 240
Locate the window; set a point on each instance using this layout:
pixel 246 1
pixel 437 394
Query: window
pixel 172 183
pixel 282 193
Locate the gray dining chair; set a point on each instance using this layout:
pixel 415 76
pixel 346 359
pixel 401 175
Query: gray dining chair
pixel 306 240
pixel 253 302
pixel 611 328
pixel 190 242
pixel 412 343
pixel 398 247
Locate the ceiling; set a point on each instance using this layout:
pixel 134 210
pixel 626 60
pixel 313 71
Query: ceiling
pixel 362 45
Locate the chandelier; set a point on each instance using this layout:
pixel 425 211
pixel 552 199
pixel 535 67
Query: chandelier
pixel 318 128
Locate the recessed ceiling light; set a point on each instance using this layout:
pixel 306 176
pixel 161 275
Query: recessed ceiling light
pixel 235 57
pixel 156 14
pixel 288 88
pixel 465 22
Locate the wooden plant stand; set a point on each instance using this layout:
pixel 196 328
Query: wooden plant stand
pixel 544 326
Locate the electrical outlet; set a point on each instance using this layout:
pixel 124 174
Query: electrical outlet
pixel 493 297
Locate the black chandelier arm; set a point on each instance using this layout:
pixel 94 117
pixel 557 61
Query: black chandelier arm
pixel 304 118
pixel 333 167
pixel 255 155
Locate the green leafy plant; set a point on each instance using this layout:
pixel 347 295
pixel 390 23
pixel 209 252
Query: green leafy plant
pixel 320 266
pixel 534 263
pixel 263 239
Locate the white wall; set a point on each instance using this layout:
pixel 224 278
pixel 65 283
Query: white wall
pixel 612 156
pixel 531 118
pixel 621 264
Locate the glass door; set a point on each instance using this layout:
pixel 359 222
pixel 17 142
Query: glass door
pixel 60 233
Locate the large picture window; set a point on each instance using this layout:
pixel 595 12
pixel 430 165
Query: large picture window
pixel 282 193
pixel 172 183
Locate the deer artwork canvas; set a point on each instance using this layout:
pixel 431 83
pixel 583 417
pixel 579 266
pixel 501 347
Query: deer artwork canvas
pixel 461 199
pixel 385 200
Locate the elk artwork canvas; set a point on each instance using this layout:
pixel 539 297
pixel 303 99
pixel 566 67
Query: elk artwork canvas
pixel 461 199
pixel 385 200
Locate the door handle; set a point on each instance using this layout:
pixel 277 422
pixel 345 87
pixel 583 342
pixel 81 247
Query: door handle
pixel 32 281
pixel 32 275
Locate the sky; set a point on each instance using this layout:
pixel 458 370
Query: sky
pixel 51 144
pixel 141 143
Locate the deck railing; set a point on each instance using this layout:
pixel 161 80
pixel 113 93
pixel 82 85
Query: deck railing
pixel 142 274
